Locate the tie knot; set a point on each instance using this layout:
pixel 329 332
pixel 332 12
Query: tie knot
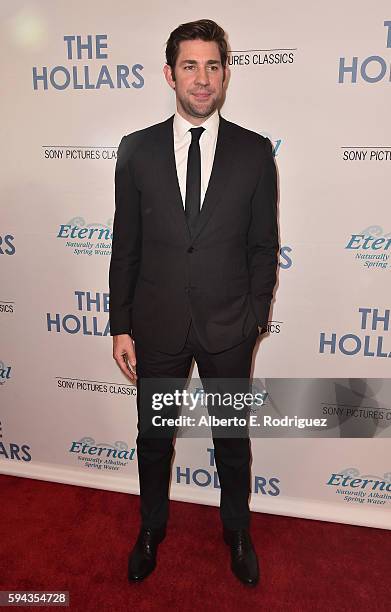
pixel 196 133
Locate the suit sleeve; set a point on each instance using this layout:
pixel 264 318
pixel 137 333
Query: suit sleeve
pixel 126 243
pixel 262 239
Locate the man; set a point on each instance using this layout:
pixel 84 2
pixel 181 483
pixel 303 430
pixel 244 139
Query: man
pixel 192 272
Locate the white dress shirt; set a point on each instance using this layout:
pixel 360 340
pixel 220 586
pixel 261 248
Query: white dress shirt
pixel 182 140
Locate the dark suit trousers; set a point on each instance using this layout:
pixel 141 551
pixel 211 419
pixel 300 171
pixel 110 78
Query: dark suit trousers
pixel 232 455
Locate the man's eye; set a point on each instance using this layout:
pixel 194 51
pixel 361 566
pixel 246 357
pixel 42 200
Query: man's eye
pixel 190 67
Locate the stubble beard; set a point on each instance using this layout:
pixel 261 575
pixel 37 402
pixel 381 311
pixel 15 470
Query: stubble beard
pixel 199 113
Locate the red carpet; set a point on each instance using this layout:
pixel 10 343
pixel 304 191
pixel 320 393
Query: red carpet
pixel 62 537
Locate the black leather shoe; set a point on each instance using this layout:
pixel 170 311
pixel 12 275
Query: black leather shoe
pixel 244 562
pixel 142 559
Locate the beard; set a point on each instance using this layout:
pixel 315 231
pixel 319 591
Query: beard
pixel 198 111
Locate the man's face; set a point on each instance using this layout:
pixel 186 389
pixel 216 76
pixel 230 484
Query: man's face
pixel 198 81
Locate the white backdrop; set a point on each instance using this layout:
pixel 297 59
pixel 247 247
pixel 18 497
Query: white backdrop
pixel 317 82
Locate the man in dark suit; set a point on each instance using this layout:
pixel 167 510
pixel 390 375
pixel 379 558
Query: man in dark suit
pixel 192 272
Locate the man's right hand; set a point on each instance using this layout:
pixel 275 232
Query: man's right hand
pixel 125 355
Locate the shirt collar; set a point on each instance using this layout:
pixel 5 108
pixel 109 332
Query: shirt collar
pixel 181 126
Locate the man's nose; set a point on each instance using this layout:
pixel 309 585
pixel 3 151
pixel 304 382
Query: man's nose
pixel 202 76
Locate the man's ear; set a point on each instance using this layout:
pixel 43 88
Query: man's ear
pixel 169 76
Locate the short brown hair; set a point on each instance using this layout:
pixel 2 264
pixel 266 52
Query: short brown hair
pixel 203 29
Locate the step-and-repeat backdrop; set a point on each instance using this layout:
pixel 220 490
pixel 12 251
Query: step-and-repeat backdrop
pixel 76 77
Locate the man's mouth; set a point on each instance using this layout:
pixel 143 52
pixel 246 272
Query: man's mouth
pixel 204 95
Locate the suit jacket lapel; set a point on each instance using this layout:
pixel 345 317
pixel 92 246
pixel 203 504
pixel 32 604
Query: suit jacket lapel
pixel 223 160
pixel 169 178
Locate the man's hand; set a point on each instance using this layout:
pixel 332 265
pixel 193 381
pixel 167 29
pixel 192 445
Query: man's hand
pixel 125 355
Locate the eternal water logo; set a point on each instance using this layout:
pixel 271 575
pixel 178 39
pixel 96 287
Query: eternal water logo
pixel 276 144
pixel 358 488
pixel 87 76
pixel 350 344
pixel 372 69
pixel 5 372
pixel 371 247
pixel 85 324
pixel 87 238
pixel 258 388
pixel 102 455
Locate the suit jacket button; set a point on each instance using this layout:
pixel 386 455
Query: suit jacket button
pixel 190 249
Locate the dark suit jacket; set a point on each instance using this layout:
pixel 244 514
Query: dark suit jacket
pixel 224 274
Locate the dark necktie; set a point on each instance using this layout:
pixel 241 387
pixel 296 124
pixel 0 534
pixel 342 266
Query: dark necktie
pixel 193 179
